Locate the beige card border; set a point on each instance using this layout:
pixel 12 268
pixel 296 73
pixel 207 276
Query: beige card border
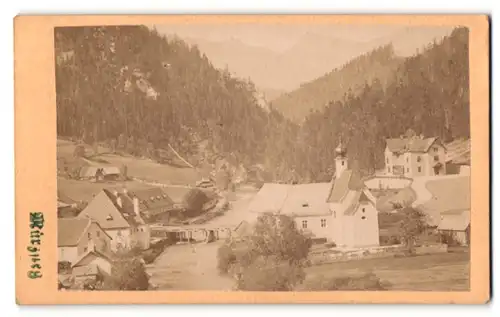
pixel 35 162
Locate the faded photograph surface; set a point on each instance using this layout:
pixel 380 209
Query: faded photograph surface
pixel 263 157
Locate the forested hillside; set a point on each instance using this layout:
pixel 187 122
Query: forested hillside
pixel 379 64
pixel 429 94
pixel 139 92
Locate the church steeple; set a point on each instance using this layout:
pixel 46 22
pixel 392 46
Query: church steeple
pixel 340 159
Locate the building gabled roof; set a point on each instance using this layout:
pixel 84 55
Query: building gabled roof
pixel 91 252
pixel 126 208
pixel 88 171
pixel 446 194
pixel 70 230
pixel 86 270
pixel 450 194
pixel 413 144
pixel 270 198
pixel 111 170
pixel 456 221
pixel 106 210
pixel 152 198
pixel 348 180
pixel 307 200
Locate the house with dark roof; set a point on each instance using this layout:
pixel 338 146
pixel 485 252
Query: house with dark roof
pixel 415 156
pixel 187 202
pixel 341 211
pixel 76 236
pixel 151 203
pixel 120 217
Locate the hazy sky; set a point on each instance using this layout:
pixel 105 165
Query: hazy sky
pixel 280 37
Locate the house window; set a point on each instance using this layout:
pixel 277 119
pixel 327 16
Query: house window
pixel 304 224
pixel 119 233
pixel 98 234
pixel 85 249
pixel 388 169
pixel 363 210
pixel 407 170
pixel 342 163
pixel 323 223
pixel 89 235
pixel 436 149
pixel 364 218
pixel 407 159
pixel 436 158
pixel 419 158
pixel 387 160
pixel 419 169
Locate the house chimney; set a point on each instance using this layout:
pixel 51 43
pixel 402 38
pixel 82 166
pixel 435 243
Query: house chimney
pixel 119 201
pixel 136 206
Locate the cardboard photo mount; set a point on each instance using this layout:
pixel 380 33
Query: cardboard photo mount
pixel 35 163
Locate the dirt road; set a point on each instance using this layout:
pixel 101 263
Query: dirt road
pixel 188 267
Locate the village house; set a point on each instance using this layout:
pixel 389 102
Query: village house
pixel 187 202
pixel 415 156
pixel 76 236
pixel 92 265
pixel 448 211
pixel 152 204
pixel 458 157
pixel 100 173
pixel 116 213
pixel 341 211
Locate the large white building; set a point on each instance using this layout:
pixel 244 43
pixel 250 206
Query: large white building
pixel 415 156
pixel 341 211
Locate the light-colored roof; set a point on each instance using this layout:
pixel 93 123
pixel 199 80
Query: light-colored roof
pixel 414 144
pixel 437 195
pixel 348 180
pixel 70 230
pixel 111 170
pixel 88 171
pixel 457 221
pixel 104 209
pixel 86 270
pixel 91 252
pixel 270 198
pixel 307 200
pixel 449 194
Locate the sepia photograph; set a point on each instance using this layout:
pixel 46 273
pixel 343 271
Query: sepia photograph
pixel 269 157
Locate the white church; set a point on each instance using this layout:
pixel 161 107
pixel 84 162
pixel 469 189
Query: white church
pixel 341 211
